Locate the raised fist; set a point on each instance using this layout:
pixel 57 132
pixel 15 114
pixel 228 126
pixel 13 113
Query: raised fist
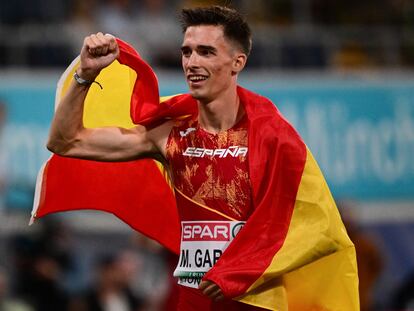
pixel 98 52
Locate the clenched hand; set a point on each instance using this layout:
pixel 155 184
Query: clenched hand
pixel 98 51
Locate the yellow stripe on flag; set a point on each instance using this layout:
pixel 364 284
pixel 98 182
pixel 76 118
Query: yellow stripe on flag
pixel 111 105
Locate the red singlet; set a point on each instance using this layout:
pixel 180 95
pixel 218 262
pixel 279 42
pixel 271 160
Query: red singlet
pixel 212 169
pixel 210 174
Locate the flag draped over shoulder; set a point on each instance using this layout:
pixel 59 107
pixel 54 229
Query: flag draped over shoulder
pixel 292 254
pixel 129 190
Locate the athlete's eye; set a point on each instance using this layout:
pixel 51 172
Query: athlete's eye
pixel 186 52
pixel 206 52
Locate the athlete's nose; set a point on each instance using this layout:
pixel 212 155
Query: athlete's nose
pixel 193 61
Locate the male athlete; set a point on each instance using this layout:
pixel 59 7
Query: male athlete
pixel 216 44
pixel 218 188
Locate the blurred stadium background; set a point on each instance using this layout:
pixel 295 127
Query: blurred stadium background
pixel 341 71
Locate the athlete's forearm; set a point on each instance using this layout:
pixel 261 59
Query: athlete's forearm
pixel 67 124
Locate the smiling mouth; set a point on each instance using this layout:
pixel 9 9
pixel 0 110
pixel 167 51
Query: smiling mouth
pixel 196 78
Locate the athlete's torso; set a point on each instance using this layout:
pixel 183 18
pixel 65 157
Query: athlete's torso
pixel 212 169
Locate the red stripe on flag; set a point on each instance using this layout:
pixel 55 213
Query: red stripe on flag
pixel 125 189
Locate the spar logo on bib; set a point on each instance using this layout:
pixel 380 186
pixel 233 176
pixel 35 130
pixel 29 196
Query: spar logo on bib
pixel 206 231
pixel 210 231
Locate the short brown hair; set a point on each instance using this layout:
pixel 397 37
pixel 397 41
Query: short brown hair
pixel 234 25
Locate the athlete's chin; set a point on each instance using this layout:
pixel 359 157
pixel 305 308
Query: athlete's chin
pixel 196 94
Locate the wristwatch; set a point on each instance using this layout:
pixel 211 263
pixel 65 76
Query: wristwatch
pixel 81 81
pixel 84 82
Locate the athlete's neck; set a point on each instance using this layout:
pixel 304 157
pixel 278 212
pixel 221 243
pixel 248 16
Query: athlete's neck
pixel 221 113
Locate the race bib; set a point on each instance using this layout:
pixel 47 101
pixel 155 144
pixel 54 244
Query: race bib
pixel 202 243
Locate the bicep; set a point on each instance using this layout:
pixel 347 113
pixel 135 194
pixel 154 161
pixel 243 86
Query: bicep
pixel 112 144
pixel 159 137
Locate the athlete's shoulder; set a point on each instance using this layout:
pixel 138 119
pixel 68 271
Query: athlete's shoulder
pixel 178 106
pixel 184 122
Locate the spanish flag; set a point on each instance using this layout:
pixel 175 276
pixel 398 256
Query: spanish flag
pixel 292 254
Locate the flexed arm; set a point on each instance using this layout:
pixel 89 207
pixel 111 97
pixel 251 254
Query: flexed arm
pixel 69 137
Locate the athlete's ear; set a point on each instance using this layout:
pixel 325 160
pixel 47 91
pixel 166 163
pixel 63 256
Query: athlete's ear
pixel 239 61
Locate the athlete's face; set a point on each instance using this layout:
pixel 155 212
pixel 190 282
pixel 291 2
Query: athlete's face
pixel 210 61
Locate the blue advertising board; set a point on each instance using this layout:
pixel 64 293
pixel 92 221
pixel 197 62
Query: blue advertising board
pixel 361 135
